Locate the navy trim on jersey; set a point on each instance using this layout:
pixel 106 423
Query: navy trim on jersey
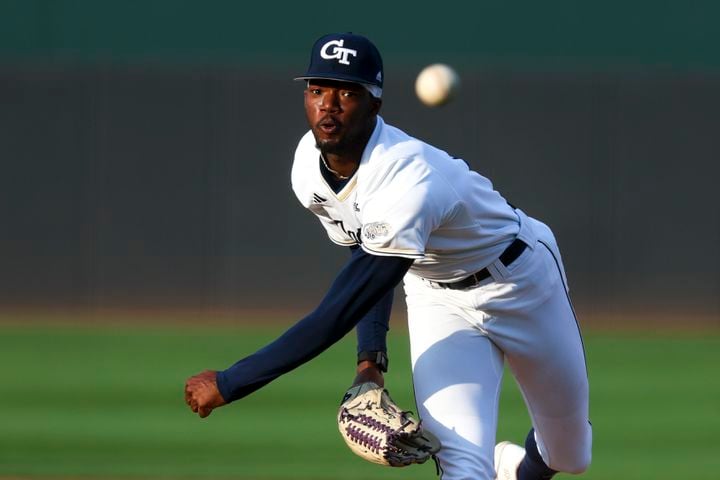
pixel 407 254
pixel 361 284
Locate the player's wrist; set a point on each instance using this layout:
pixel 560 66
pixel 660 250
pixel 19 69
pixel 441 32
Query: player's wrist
pixel 376 359
pixel 368 365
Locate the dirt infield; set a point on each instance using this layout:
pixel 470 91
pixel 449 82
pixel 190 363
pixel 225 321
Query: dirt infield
pixel 616 319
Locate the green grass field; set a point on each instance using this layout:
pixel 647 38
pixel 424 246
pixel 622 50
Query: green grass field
pixel 101 402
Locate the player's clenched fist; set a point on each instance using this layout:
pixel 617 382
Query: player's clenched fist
pixel 202 394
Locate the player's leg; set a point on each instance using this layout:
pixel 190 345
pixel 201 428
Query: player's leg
pixel 457 372
pixel 532 466
pixel 544 349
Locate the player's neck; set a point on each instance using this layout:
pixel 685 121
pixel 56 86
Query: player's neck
pixel 342 166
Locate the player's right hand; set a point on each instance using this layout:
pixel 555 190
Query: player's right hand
pixel 202 394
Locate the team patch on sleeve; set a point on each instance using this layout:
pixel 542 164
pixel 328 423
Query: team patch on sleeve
pixel 380 238
pixel 376 232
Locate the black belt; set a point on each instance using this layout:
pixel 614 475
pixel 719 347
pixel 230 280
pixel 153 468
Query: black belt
pixel 510 254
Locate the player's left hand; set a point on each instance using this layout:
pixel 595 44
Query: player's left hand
pixel 368 371
pixel 202 394
pixel 377 430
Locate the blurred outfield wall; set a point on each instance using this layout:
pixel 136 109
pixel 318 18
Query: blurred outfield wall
pixel 146 146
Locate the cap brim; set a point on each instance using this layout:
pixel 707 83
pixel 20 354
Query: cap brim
pixel 333 76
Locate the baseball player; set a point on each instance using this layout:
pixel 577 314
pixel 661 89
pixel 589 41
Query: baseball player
pixel 484 283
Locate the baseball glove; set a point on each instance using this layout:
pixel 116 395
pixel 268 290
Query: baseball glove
pixel 380 432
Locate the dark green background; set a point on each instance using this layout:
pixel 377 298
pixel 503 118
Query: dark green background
pixel 566 34
pixel 146 145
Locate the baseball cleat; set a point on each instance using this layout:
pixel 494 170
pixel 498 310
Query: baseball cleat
pixel 507 460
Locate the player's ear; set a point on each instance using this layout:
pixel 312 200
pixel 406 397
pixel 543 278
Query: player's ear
pixel 376 104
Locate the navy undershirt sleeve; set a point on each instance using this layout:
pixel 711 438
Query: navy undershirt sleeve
pixel 359 286
pixel 372 329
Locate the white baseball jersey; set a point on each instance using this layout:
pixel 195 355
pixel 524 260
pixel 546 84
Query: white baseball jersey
pixel 409 199
pixel 412 200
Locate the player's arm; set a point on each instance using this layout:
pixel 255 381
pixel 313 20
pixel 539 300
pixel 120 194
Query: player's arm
pixel 372 329
pixel 360 285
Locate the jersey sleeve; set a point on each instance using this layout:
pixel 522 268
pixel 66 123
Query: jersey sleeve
pixel 408 203
pixel 358 287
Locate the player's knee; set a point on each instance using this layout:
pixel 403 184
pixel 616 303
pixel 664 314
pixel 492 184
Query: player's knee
pixel 575 465
pixel 579 467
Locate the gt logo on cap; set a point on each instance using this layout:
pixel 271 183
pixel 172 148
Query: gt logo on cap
pixel 338 52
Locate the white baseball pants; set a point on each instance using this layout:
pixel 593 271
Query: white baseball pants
pixel 460 338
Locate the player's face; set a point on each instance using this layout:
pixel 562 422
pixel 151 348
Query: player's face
pixel 341 115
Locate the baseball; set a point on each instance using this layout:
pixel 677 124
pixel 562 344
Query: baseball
pixel 436 84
